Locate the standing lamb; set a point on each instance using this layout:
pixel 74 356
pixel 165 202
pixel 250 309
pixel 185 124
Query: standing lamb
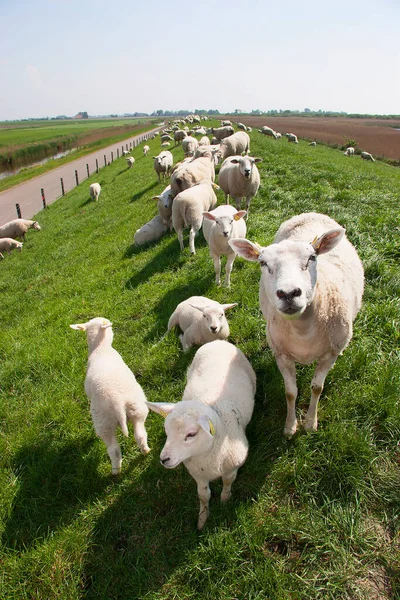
pixel 146 150
pixel 240 178
pixel 219 226
pixel 234 145
pixel 130 162
pixel 94 191
pixel 206 430
pixel 8 244
pixel 18 228
pixel 202 320
pixel 367 156
pixel 164 205
pixel 163 164
pixel 151 231
pixel 307 320
pixel 188 208
pixel 113 391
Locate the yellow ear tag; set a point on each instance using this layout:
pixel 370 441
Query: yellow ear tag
pixel 212 428
pixel 163 413
pixel 314 243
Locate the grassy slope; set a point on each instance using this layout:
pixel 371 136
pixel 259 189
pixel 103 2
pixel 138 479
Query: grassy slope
pixel 316 517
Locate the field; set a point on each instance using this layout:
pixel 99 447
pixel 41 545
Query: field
pixel 316 517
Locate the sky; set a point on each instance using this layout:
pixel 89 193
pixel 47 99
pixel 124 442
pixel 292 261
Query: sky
pixel 64 56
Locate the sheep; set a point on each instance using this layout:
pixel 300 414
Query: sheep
pixel 189 145
pixel 241 126
pixel 130 162
pixel 268 131
pixel 164 205
pixel 188 207
pixel 201 320
pixel 214 141
pixel 191 172
pixel 291 137
pixel 219 226
pixel 249 129
pixel 221 132
pixel 166 138
pixel 115 395
pixel 179 135
pixel 312 144
pixel 349 151
pixel 278 135
pixel 234 145
pixel 165 145
pixel 125 152
pixel 151 231
pixel 309 308
pixel 208 151
pixel 8 244
pixel 146 150
pixel 225 123
pixel 163 164
pixel 204 141
pixel 240 178
pixel 367 156
pixel 18 228
pixel 200 131
pixel 155 134
pixel 206 430
pixel 94 191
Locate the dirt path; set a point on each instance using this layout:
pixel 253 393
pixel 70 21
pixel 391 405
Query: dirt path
pixel 28 194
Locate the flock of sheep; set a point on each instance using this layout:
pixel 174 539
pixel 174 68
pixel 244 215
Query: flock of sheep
pixel 311 287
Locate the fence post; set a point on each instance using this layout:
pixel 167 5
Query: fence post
pixel 87 169
pixel 76 177
pixel 127 147
pixel 18 211
pixel 117 152
pixel 122 150
pixel 105 161
pixel 43 197
pixel 62 186
pixel 112 156
pixel 97 166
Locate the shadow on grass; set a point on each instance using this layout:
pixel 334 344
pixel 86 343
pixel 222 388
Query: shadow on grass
pixel 168 255
pixel 144 191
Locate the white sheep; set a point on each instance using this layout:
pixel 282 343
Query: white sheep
pixel 165 145
pixel 311 287
pixel 125 152
pixel 151 231
pixel 206 150
pixel 18 228
pixel 221 132
pixel 146 150
pixel 179 135
pixel 130 162
pixel 219 226
pixel 206 430
pixel 191 172
pixel 188 207
pixel 312 144
pixel 201 320
pixel 234 145
pixel 163 164
pixel 291 137
pixel 367 156
pixel 189 145
pixel 200 131
pixel 164 205
pixel 115 395
pixel 268 131
pixel 204 141
pixel 278 135
pixel 94 191
pixel 8 244
pixel 225 123
pixel 240 178
pixel 349 151
pixel 241 126
pixel 166 138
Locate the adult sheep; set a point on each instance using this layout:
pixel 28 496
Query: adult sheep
pixel 311 287
pixel 163 164
pixel 18 228
pixel 367 156
pixel 234 145
pixel 95 191
pixel 191 172
pixel 179 135
pixel 189 145
pixel 240 178
pixel 221 132
pixel 8 244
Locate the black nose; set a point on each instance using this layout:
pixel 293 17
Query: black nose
pixel 288 295
pixel 164 461
pixel 214 329
pixel 226 233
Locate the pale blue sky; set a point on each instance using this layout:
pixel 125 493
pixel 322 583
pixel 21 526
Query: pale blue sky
pixel 60 56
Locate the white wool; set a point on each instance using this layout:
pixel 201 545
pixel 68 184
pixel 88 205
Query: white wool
pixel 18 228
pixel 8 244
pixel 240 178
pixel 163 164
pixel 188 207
pixel 191 172
pixel 234 145
pixel 151 231
pixel 94 191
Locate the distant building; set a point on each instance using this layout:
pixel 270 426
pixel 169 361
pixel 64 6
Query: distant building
pixel 81 115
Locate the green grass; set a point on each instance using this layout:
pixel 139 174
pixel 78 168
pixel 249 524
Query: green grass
pixel 316 517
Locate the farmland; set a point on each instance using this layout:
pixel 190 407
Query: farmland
pixel 316 517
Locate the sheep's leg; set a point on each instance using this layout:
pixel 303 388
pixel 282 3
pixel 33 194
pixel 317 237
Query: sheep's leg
pixel 226 198
pixel 238 202
pixel 287 368
pixel 113 449
pixel 227 481
pixel 1 255
pixel 140 435
pixel 217 268
pixel 228 268
pixel 204 493
pixel 185 342
pixel 180 237
pixel 248 200
pixel 317 385
pixel 192 233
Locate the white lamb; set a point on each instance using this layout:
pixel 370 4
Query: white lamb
pixel 234 145
pixel 307 320
pixel 291 137
pixel 146 150
pixel 8 244
pixel 189 145
pixel 188 207
pixel 219 226
pixel 164 205
pixel 349 151
pixel 18 228
pixel 151 231
pixel 94 191
pixel 312 144
pixel 367 156
pixel 163 164
pixel 201 320
pixel 191 172
pixel 240 178
pixel 130 162
pixel 206 430
pixel 115 395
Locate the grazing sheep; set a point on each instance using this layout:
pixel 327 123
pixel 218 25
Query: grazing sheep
pixel 312 144
pixel 268 131
pixel 125 152
pixel 249 129
pixel 278 135
pixel 202 320
pixel 200 131
pixel 146 150
pixel 221 132
pixel 164 205
pixel 204 141
pixel 8 244
pixel 367 156
pixel 234 145
pixel 206 430
pixel 188 207
pixel 310 294
pixel 240 178
pixel 241 126
pixel 115 395
pixel 179 135
pixel 225 123
pixel 151 231
pixel 163 164
pixel 189 145
pixel 291 137
pixel 349 151
pixel 155 134
pixel 165 145
pixel 191 172
pixel 130 162
pixel 18 228
pixel 94 191
pixel 166 138
pixel 219 226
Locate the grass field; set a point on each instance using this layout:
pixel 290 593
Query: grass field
pixel 313 518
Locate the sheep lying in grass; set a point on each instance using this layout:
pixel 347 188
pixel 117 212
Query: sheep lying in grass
pixel 18 228
pixel 240 178
pixel 310 294
pixel 349 151
pixel 202 320
pixel 115 395
pixel 188 207
pixel 206 430
pixel 219 226
pixel 163 164
pixel 146 150
pixel 234 145
pixel 367 156
pixel 130 162
pixel 164 205
pixel 94 191
pixel 151 231
pixel 8 244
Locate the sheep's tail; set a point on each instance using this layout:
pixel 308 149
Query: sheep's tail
pixel 121 416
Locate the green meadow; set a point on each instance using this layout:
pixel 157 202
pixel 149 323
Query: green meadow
pixel 316 517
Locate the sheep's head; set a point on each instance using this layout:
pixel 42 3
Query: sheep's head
pixel 289 269
pixel 96 329
pixel 246 164
pixel 35 225
pixel 225 222
pixel 214 315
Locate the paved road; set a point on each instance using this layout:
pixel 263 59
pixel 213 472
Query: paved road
pixel 28 195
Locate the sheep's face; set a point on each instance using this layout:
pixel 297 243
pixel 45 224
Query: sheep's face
pixel 226 222
pixel 188 436
pixel 213 318
pixel 35 225
pixel 246 164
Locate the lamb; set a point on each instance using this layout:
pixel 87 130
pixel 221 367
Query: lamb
pixel 179 135
pixel 164 205
pixel 151 231
pixel 349 151
pixel 202 320
pixel 219 226
pixel 234 145
pixel 204 141
pixel 8 244
pixel 94 191
pixel 309 308
pixel 146 150
pixel 188 207
pixel 115 395
pixel 291 137
pixel 191 172
pixel 18 228
pixel 163 164
pixel 189 145
pixel 312 144
pixel 130 162
pixel 206 430
pixel 221 132
pixel 367 156
pixel 239 178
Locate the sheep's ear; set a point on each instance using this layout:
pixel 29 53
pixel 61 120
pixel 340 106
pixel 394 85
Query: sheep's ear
pixel 154 157
pixel 228 306
pixel 245 248
pixel 162 408
pixel 105 325
pixel 206 424
pixel 328 240
pixel 155 197
pixel 197 307
pixel 240 214
pixel 79 326
pixel 234 161
pixel 209 216
pixel 257 160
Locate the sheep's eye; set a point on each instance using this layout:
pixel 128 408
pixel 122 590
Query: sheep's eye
pixel 191 435
pixel 205 316
pixel 312 258
pixel 264 264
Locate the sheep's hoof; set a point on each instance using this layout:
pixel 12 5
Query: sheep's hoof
pixel 225 496
pixel 310 424
pixel 289 432
pixel 115 471
pixel 145 450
